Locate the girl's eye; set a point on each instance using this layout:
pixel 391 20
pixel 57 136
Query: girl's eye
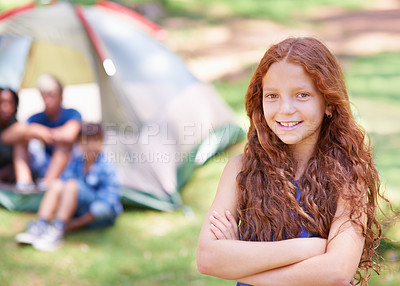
pixel 271 96
pixel 303 95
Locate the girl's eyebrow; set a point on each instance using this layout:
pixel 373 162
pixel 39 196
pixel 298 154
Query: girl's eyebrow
pixel 266 88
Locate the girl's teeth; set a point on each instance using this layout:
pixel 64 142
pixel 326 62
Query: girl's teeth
pixel 289 124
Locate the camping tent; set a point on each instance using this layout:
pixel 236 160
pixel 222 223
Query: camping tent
pixel 161 121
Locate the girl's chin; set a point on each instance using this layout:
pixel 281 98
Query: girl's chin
pixel 290 140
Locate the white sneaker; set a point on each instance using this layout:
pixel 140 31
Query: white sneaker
pixel 33 232
pixel 26 188
pixel 50 240
pixel 42 185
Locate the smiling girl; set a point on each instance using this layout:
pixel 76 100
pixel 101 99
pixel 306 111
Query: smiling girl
pixel 298 206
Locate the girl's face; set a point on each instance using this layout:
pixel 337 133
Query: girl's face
pixel 293 106
pixel 7 105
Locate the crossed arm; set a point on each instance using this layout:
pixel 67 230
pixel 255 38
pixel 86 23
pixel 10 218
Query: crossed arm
pixel 303 261
pixel 19 132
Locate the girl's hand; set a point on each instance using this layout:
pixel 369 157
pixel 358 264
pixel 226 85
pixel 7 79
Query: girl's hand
pixel 224 227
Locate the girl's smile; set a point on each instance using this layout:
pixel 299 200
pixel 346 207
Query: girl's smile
pixel 289 125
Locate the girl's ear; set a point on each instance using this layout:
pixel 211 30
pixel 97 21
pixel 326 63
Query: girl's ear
pixel 329 111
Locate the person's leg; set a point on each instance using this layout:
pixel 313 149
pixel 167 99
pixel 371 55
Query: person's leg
pixel 58 162
pixel 52 239
pixel 51 200
pixel 23 172
pixel 86 196
pixel 69 201
pixel 38 162
pixel 80 221
pixel 48 206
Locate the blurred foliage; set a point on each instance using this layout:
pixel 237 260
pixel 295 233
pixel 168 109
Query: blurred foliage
pixel 376 77
pixel 8 4
pixel 282 11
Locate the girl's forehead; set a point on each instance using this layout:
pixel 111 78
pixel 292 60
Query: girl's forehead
pixel 281 73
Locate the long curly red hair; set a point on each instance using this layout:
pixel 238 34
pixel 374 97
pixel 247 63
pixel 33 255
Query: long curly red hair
pixel 341 166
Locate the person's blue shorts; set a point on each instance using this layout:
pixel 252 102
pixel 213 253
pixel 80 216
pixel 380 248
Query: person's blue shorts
pixel 88 202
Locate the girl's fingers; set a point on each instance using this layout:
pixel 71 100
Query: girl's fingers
pixel 222 224
pixel 217 233
pixel 233 223
pixel 229 225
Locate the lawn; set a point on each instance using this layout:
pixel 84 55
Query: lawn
pixel 151 248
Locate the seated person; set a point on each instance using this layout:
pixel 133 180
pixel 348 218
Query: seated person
pixel 8 110
pixel 86 195
pixel 55 130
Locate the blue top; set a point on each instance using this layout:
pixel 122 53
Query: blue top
pixel 102 178
pixel 303 232
pixel 62 118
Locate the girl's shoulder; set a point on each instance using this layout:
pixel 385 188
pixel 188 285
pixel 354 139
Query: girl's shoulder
pixel 236 160
pixel 234 165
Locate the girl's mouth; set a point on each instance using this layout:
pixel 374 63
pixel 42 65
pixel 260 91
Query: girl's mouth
pixel 289 124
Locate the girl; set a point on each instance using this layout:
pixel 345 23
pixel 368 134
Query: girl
pixel 302 197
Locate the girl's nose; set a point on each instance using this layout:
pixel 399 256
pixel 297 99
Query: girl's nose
pixel 286 105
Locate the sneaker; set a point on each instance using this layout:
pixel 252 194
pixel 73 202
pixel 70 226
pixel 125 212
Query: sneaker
pixel 25 187
pixel 42 185
pixel 50 240
pixel 34 231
